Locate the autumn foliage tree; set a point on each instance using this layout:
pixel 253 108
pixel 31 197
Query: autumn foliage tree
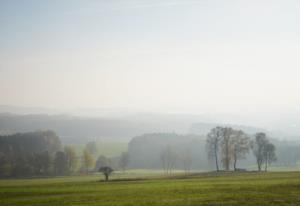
pixel 72 159
pixel 88 160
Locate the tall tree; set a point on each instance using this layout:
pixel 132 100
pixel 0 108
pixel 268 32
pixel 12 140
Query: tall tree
pixel 60 163
pixel 186 161
pixel 5 165
pixel 269 154
pixel 241 144
pixel 42 163
pixel 227 147
pixel 213 140
pixel 72 159
pixel 88 160
pixel 168 158
pixel 258 147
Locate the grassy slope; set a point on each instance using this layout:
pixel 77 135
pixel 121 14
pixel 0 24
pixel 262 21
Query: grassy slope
pixel 107 148
pixel 278 188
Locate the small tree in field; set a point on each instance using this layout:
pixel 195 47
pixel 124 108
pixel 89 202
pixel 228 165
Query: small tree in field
pixel 102 161
pixel 106 172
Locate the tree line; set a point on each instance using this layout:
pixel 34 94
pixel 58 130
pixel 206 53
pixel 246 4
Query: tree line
pixel 26 154
pixel 42 154
pixel 228 146
pixel 225 146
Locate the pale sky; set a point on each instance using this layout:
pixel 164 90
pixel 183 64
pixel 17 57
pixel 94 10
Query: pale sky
pixel 190 56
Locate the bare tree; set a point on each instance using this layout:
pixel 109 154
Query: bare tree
pixel 213 140
pixel 187 161
pixel 163 159
pixel 234 145
pixel 258 148
pixel 241 144
pixel 269 154
pixel 168 158
pixel 227 147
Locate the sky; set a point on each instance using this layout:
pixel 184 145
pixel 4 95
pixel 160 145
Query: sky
pixel 188 56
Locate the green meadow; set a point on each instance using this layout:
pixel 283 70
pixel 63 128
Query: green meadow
pixel 145 188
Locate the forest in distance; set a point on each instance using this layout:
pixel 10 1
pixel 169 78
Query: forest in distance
pixel 41 153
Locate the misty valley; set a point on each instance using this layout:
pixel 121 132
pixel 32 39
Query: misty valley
pixel 207 153
pixel 149 103
pixel 109 144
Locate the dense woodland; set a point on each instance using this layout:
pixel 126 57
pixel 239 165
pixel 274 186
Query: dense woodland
pixel 42 154
pixel 25 154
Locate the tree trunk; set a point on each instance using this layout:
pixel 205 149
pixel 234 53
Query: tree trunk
pixel 234 163
pixel 216 157
pixel 266 164
pixel 106 177
pixel 227 155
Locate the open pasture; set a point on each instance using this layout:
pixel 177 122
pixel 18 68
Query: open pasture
pixel 274 188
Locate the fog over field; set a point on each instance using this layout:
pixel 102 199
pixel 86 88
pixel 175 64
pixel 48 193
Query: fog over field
pixel 283 126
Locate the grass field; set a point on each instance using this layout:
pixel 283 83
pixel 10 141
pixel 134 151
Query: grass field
pixel 275 188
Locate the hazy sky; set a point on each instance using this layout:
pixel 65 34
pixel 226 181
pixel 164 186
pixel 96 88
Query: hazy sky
pixel 168 55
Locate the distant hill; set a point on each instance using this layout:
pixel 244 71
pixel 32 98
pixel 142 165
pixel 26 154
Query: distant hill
pixel 284 125
pixel 74 129
pixel 71 129
pixel 203 128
